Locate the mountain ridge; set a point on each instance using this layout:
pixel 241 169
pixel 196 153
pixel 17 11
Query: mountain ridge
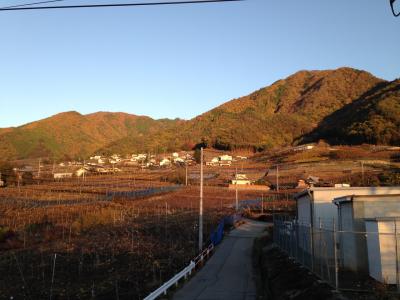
pixel 296 109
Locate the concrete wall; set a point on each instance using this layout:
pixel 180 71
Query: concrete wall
pixel 374 256
pixel 378 207
pixel 348 241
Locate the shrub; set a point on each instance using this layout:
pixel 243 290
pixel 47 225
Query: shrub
pixel 5 233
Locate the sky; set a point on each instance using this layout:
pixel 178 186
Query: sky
pixel 180 61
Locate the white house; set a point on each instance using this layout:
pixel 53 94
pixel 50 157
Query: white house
pixel 141 156
pixel 241 179
pixel 179 160
pixel 80 172
pixel 225 160
pixel 116 158
pixel 214 162
pixel 225 157
pixel 165 162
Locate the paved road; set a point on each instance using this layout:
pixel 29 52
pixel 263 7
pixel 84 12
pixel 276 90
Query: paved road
pixel 228 275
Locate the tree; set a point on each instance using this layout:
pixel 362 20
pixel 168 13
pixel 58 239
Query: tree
pixel 197 155
pixel 8 174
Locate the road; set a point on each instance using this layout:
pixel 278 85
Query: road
pixel 228 275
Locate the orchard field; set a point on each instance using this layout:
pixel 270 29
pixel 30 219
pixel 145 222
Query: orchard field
pixel 117 236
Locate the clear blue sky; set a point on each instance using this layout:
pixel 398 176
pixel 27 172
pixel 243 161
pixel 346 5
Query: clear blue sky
pixel 180 61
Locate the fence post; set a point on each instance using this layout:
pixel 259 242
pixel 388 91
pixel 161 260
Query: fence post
pixel 320 248
pixel 303 244
pixel 397 257
pixel 296 237
pixel 52 277
pixel 312 246
pixel 335 255
pixel 291 250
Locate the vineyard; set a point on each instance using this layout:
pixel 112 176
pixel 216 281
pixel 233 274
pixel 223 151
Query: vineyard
pixel 105 237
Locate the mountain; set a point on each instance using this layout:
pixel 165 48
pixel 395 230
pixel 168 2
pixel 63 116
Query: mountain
pixel 71 134
pixel 281 113
pixel 342 105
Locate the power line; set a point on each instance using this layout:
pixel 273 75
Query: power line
pixel 29 4
pixel 25 6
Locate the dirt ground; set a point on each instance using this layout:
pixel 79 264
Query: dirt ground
pixel 281 278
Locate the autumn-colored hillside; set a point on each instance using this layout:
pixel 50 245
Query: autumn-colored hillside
pixel 281 113
pixel 374 118
pixel 71 134
pixel 343 105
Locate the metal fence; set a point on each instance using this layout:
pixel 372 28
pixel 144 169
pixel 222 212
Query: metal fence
pixel 364 260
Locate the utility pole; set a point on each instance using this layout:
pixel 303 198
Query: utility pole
pixel 201 202
pixel 236 192
pixel 84 169
pixel 39 167
pixel 262 203
pixel 38 174
pixel 186 171
pixel 277 178
pixel 362 172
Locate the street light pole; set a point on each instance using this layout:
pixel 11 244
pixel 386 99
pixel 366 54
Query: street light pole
pixel 201 203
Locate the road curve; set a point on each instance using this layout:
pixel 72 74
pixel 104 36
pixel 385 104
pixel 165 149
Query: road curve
pixel 228 275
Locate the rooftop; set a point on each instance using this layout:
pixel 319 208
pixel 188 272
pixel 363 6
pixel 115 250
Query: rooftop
pixel 343 188
pixel 350 198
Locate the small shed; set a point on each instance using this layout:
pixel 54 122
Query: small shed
pixel 316 203
pixel 353 211
pixel 383 240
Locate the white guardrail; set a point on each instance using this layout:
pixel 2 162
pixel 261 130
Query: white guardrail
pixel 162 290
